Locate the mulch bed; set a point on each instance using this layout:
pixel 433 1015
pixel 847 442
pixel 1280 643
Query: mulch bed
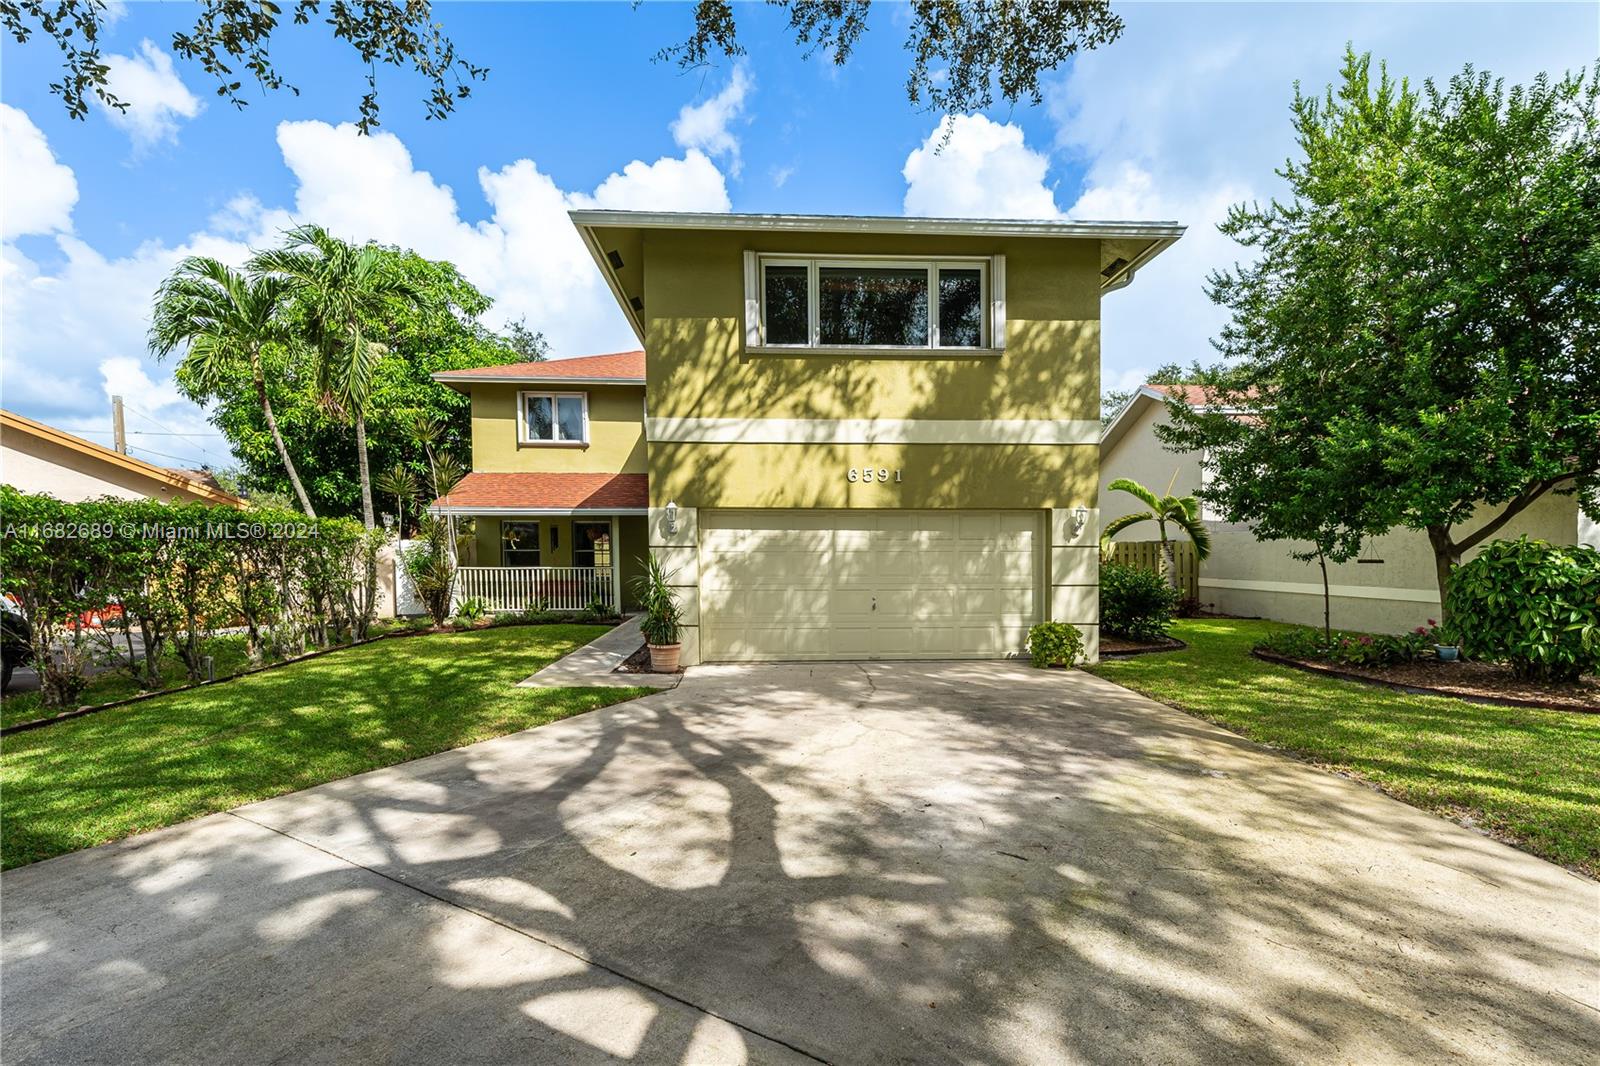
pixel 1113 647
pixel 1473 681
pixel 637 663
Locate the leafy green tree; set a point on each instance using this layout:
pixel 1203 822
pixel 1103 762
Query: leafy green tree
pixel 1421 316
pixel 962 50
pixel 224 321
pixel 232 39
pixel 1181 511
pixel 442 333
pixel 342 289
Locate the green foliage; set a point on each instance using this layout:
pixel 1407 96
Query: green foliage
pixel 1415 330
pixel 662 615
pixel 472 609
pixel 1054 644
pixel 174 574
pixel 432 568
pixel 1134 602
pixel 1181 511
pixel 228 36
pixel 1532 604
pixel 439 332
pixel 960 51
pixel 1349 649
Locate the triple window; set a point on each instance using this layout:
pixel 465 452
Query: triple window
pixel 553 418
pixel 873 303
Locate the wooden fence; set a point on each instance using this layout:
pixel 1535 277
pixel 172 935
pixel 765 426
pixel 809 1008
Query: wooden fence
pixel 1146 554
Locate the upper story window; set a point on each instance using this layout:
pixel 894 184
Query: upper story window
pixel 553 418
pixel 874 302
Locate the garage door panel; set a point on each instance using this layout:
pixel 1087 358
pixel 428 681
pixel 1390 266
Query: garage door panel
pixel 867 584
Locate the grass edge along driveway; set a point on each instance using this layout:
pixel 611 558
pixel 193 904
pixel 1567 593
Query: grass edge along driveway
pixel 1526 776
pixel 130 769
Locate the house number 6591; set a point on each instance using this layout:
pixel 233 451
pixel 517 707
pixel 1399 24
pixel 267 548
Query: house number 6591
pixel 870 474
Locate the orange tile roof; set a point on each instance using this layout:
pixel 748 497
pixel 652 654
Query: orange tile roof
pixel 614 366
pixel 549 492
pixel 1193 395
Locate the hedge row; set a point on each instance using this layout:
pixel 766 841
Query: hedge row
pixel 174 574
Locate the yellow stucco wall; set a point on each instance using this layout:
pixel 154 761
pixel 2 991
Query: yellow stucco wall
pixel 616 432
pixel 698 367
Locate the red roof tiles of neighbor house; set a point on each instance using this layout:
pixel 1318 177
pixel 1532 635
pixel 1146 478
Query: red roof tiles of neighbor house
pixel 553 492
pixel 1193 395
pixel 619 366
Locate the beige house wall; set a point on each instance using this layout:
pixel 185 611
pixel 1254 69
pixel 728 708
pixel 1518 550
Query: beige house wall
pixel 1390 590
pixel 32 465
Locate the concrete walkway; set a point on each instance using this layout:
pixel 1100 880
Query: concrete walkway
pixel 594 665
pixel 874 863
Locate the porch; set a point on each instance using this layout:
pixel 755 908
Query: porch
pixel 559 542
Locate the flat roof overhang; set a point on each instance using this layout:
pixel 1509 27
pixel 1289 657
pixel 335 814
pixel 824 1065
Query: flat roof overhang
pixel 615 239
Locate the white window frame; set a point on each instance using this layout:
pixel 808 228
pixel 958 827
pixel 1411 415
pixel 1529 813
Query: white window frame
pixel 991 270
pixel 556 440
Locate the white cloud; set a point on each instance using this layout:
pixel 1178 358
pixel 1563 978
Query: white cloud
pixel 781 175
pixel 705 125
pixel 39 192
pixel 982 169
pixel 1206 122
pixel 158 101
pixel 75 333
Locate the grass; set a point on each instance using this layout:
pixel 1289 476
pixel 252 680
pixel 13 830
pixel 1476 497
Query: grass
pixel 166 760
pixel 1530 777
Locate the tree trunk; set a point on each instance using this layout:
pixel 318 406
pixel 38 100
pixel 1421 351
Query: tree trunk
pixel 1446 557
pixel 1169 563
pixel 366 474
pixel 1327 608
pixel 283 452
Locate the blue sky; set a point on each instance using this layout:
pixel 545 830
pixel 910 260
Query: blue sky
pixel 1184 115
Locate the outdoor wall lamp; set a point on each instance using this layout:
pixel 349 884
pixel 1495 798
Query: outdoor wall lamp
pixel 672 518
pixel 1080 518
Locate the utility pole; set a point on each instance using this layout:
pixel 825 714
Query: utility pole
pixel 119 435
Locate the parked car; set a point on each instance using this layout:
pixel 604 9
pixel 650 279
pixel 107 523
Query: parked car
pixel 16 642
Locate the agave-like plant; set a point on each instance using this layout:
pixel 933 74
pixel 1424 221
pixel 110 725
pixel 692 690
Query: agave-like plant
pixel 1181 511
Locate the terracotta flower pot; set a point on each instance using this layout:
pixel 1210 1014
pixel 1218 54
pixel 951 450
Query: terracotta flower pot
pixel 664 658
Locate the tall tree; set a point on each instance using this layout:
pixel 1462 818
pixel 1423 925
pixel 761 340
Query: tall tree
pixel 341 287
pixel 225 321
pixel 1423 310
pixel 962 50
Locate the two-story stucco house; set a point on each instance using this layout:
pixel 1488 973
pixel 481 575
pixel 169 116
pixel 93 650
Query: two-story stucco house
pixel 846 437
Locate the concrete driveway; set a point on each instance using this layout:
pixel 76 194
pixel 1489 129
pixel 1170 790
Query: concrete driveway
pixel 869 864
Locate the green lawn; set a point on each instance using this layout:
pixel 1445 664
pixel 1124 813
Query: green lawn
pixel 1530 777
pixel 165 760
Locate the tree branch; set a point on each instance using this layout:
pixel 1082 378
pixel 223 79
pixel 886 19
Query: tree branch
pixel 1518 504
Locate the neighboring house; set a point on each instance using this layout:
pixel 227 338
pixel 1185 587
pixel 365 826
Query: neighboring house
pixel 847 438
pixel 1390 588
pixel 38 458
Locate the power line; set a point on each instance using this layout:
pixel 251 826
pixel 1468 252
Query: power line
pixel 157 422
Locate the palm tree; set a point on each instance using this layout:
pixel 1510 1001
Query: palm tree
pixel 1181 511
pixel 401 483
pixel 341 288
pixel 224 319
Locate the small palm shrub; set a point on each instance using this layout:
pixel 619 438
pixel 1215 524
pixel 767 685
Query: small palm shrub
pixel 662 616
pixel 431 569
pixel 1531 604
pixel 1054 644
pixel 1135 603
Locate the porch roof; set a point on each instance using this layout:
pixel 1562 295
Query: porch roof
pixel 528 493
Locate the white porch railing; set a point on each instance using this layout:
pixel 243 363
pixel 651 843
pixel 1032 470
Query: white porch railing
pixel 520 588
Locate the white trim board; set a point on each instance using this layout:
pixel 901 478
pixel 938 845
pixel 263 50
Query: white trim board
pixel 871 431
pixel 1314 588
pixel 537 512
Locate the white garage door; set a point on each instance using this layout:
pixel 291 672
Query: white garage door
pixel 867 584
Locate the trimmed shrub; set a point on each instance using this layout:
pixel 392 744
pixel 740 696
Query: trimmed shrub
pixel 1348 649
pixel 1055 644
pixel 1531 604
pixel 1135 603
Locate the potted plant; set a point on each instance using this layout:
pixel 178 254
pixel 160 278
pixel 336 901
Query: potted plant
pixel 1445 647
pixel 661 616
